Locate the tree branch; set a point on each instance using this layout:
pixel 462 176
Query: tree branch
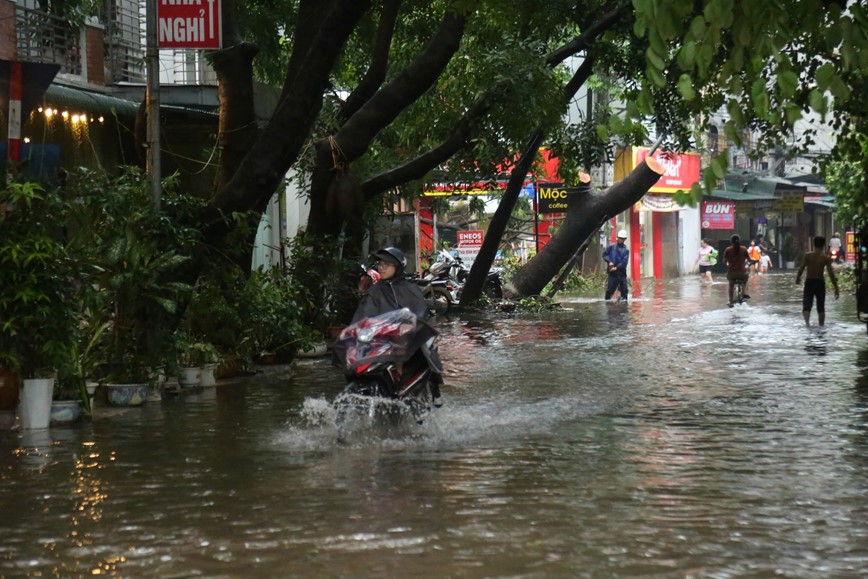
pixel 354 138
pixel 268 160
pixel 579 78
pixel 421 165
pixel 376 74
pixel 587 38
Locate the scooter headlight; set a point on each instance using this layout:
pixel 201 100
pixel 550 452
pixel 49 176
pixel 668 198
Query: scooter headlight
pixel 366 335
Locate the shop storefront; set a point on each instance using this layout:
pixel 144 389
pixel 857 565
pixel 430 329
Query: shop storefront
pixel 784 216
pixel 662 235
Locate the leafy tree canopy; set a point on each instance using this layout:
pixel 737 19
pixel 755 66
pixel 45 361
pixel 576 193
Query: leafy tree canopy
pixel 768 64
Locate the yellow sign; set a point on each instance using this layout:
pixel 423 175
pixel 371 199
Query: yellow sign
pixel 789 203
pixel 456 192
pixel 744 207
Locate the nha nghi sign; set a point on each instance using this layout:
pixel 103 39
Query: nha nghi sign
pixel 189 24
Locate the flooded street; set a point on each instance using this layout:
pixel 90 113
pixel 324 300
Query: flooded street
pixel 667 437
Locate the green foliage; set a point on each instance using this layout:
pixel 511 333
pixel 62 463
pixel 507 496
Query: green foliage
pixel 845 175
pixel 789 248
pixel 193 352
pixel 326 283
pixel 246 316
pixel 38 281
pixel 81 361
pixel 137 256
pixel 773 64
pixel 536 304
pixel 578 283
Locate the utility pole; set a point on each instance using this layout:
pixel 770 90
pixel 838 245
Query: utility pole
pixel 152 101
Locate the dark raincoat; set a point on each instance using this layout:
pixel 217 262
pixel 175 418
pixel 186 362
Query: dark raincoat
pixel 394 294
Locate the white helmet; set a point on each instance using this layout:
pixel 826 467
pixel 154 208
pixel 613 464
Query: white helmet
pixel 622 234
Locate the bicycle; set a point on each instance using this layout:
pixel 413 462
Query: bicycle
pixel 738 293
pixel 738 296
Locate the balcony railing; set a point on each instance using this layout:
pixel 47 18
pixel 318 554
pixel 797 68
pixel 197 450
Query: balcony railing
pixel 47 39
pixel 124 41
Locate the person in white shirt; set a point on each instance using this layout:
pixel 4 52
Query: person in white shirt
pixel 706 258
pixel 765 263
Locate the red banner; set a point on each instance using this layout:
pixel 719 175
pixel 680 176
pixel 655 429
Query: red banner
pixel 681 170
pixel 189 24
pixel 718 215
pixel 850 246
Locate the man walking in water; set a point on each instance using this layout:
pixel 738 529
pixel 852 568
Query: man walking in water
pixel 815 283
pixel 734 257
pixel 616 256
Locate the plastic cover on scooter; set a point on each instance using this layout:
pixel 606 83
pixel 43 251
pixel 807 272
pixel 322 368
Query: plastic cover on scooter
pixel 393 336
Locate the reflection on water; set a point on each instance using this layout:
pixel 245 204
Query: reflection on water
pixel 669 436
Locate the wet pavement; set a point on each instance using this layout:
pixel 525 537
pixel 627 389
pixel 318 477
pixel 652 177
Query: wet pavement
pixel 666 437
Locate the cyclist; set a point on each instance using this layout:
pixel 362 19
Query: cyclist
pixel 735 257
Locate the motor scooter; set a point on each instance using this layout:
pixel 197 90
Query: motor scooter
pixel 387 372
pixel 453 268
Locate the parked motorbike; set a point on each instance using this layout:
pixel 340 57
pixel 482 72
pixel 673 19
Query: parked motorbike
pixel 387 373
pixel 439 294
pixel 452 268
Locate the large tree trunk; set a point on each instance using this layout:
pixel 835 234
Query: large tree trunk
pixel 585 215
pixel 267 160
pixel 476 278
pixel 334 194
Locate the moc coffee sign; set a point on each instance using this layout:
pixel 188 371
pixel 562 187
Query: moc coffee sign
pixel 189 24
pixel 554 197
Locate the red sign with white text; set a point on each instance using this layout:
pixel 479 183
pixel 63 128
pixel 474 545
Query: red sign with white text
pixel 681 170
pixel 189 24
pixel 471 237
pixel 469 244
pixel 718 215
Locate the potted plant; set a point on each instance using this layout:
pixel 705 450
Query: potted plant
pixel 789 250
pixel 76 373
pixel 209 359
pixel 37 291
pixel 194 356
pixel 138 253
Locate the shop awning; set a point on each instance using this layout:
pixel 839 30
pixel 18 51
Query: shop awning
pixel 758 188
pixel 824 200
pixel 77 100
pixel 742 196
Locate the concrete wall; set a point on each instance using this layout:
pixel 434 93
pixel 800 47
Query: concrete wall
pixel 7 30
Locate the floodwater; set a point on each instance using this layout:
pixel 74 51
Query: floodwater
pixel 667 437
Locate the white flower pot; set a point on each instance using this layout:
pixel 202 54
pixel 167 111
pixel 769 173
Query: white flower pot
pixel 207 375
pixel 34 408
pixel 189 377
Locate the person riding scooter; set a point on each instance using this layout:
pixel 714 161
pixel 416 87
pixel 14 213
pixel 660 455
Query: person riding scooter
pixel 392 292
pixel 835 246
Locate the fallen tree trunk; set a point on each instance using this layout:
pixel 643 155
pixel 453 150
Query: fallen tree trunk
pixel 587 212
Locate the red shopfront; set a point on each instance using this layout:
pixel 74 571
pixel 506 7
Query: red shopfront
pixel 653 222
